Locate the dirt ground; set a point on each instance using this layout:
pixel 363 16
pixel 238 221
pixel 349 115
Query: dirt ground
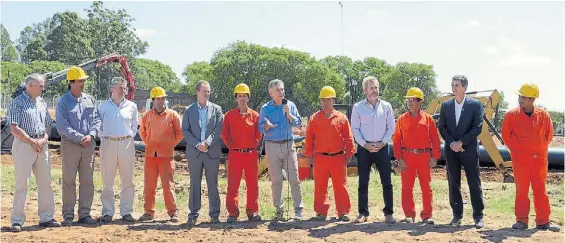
pixel 266 231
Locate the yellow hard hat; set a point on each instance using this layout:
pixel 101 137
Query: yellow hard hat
pixel 415 93
pixel 242 89
pixel 76 73
pixel 327 92
pixel 157 92
pixel 529 90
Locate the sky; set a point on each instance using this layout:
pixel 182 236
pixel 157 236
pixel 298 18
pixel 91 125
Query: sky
pixel 497 45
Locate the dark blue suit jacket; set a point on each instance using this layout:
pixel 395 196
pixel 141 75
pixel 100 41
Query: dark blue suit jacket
pixel 469 127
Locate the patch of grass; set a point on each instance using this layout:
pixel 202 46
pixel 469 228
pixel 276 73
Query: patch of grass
pixel 499 197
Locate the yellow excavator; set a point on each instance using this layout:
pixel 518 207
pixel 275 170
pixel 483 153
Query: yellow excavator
pixel 490 100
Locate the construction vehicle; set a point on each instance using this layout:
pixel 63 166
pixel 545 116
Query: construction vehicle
pixel 489 152
pixel 53 78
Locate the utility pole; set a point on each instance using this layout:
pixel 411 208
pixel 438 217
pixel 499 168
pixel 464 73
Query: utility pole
pixel 342 45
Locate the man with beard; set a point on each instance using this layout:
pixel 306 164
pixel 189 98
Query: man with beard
pixel 160 131
pixel 241 135
pixel 78 123
pixel 372 122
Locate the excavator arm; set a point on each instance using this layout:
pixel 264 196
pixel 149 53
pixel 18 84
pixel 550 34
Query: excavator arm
pixel 53 78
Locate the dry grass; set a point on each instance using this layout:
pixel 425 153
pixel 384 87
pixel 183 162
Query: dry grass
pixel 499 215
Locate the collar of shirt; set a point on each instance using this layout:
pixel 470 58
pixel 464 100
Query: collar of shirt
pixel 29 98
pixel 121 103
pixel 205 105
pixel 462 102
pixel 162 113
pixel 272 103
pixel 70 96
pixel 418 117
pixel 535 111
pixel 369 104
pixel 334 113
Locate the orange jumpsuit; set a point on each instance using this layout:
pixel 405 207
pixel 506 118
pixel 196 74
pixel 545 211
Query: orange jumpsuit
pixel 416 133
pixel 528 139
pixel 334 137
pixel 241 135
pixel 160 133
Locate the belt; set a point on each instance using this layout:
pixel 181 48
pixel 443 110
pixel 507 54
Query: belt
pixel 118 138
pixel 248 150
pixel 331 154
pixel 280 142
pixel 36 136
pixel 417 151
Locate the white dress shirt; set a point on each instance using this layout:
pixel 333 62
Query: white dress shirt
pixel 118 121
pixel 458 109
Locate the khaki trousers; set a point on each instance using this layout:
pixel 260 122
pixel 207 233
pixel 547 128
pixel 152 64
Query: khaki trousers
pixel 26 160
pixel 77 158
pixel 116 155
pixel 283 157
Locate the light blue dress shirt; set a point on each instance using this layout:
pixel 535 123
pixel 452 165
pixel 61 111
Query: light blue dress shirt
pixel 203 120
pixel 372 124
pixel 275 114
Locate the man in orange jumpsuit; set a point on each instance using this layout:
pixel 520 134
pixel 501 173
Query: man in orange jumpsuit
pixel 527 131
pixel 417 149
pixel 329 140
pixel 160 130
pixel 241 135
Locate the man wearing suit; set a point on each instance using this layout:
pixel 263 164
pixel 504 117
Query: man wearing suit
pixel 202 127
pixel 460 123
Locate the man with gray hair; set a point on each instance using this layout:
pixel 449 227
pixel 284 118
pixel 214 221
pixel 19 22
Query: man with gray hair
pixel 276 119
pixel 30 123
pixel 372 122
pixel 202 129
pixel 117 150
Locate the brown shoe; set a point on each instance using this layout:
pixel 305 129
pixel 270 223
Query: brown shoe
pixel 146 217
pixel 361 219
pixel 407 220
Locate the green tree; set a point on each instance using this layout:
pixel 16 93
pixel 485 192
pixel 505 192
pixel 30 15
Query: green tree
pixel 405 76
pixel 557 117
pixel 256 65
pixel 151 73
pixel 34 51
pixel 13 75
pixel 8 50
pixel 31 33
pixel 69 41
pixel 195 72
pixel 111 31
pixel 499 115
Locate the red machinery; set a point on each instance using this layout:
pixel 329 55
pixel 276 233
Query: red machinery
pixel 53 78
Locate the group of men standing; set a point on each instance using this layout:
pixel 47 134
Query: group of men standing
pixel 330 143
